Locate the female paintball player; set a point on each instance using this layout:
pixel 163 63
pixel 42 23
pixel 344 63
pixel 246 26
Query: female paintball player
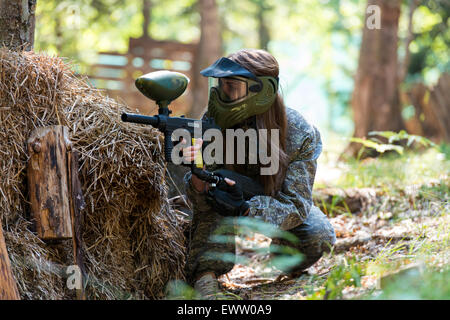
pixel 245 95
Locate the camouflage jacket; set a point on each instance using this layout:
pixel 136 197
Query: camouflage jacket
pixel 291 206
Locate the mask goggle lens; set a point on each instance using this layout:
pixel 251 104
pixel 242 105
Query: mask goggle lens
pixel 230 89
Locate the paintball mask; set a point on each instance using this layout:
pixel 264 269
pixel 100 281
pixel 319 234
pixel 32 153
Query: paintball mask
pixel 236 94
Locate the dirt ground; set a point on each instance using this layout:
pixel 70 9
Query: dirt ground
pixel 404 229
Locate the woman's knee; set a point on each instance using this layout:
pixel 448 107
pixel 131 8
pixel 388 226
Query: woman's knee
pixel 315 237
pixel 316 233
pixel 211 246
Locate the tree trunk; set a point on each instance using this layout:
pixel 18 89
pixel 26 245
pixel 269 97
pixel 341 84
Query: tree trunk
pixel 263 30
pixel 59 35
pixel 17 21
pixel 424 121
pixel 146 8
pixel 209 50
pixel 48 182
pixel 432 110
pixel 8 288
pixel 440 103
pixel 375 100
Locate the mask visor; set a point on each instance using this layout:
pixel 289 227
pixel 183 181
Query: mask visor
pixel 230 89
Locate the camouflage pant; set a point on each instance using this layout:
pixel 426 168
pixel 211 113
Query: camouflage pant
pixel 315 235
pixel 205 254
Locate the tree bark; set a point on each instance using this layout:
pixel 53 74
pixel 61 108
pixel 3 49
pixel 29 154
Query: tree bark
pixel 17 22
pixel 375 99
pixel 440 104
pixel 146 8
pixel 424 121
pixel 263 30
pixel 8 288
pixel 59 34
pixel 48 182
pixel 209 50
pixel 432 110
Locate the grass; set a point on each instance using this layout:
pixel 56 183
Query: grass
pixel 420 178
pixel 390 170
pixel 347 274
pixel 396 171
pixel 432 284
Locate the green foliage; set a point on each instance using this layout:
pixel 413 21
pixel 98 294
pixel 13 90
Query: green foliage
pixel 406 168
pixel 439 191
pixel 248 225
pixel 347 274
pixel 429 48
pixel 403 135
pixel 180 290
pixel 431 285
pixel 79 29
pixel 336 207
pixel 382 263
pixel 284 257
pixel 445 149
pixel 393 172
pixel 392 137
pixel 379 147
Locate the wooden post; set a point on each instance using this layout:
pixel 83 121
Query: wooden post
pixel 55 190
pixel 48 182
pixel 76 205
pixel 8 288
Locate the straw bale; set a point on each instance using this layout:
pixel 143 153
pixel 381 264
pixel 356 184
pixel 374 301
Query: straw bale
pixel 132 238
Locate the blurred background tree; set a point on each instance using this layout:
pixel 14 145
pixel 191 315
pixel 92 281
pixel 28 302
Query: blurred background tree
pixel 209 50
pixel 17 22
pixel 376 100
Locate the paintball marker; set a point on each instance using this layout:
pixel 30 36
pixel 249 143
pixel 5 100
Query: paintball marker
pixel 163 87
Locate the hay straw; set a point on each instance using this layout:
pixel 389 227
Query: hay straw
pixel 132 238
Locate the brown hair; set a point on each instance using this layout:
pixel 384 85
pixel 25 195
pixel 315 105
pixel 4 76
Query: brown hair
pixel 262 63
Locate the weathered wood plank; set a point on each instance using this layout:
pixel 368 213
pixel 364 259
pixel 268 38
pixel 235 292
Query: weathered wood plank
pixel 8 288
pixel 77 204
pixel 48 182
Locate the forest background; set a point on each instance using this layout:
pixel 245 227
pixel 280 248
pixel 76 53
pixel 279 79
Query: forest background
pixel 373 76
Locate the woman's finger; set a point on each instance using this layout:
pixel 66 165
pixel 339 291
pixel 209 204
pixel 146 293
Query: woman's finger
pixel 191 149
pixel 198 142
pixel 230 182
pixel 188 159
pixel 190 153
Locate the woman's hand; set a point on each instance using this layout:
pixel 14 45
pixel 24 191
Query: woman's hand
pixel 189 155
pixel 228 200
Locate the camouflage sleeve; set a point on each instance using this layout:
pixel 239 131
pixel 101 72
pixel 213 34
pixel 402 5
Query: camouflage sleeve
pixel 198 199
pixel 291 206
